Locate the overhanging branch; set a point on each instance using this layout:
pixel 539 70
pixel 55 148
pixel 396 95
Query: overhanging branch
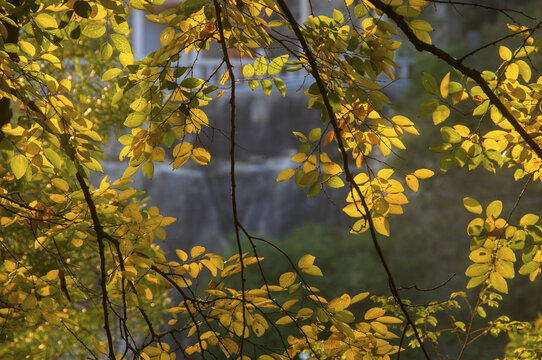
pixel 458 65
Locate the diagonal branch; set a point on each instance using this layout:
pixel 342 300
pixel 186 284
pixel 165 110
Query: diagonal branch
pixel 323 91
pixel 458 65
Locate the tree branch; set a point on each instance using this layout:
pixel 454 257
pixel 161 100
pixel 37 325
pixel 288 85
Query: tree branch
pixel 458 65
pixel 323 91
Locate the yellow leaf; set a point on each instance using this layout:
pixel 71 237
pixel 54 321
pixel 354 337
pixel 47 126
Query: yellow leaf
pixel 505 253
pixel 99 346
pixel 45 21
pixel 139 105
pixel 385 173
pixel 313 270
pixel 498 282
pixel 412 182
pixel 472 205
pixel 374 313
pixel 19 165
pixel 181 254
pixel 201 156
pixel 299 157
pixel 284 320
pixel 382 225
pixel 445 86
pixel 10 265
pixel 475 270
pixel 505 53
pixel 423 173
pixel 285 174
pixel 331 168
pixel 494 209
pixel 421 25
pixel 512 71
pixel 480 256
pixel 359 297
pixel 27 47
pixel 379 327
pixel 60 184
pixel 306 261
pixel 354 210
pixel 287 279
pixel 196 251
pixel 166 36
pixel 389 320
pixel 52 275
pixel 440 114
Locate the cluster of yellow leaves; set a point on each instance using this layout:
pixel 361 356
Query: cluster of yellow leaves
pixel 494 241
pixel 502 144
pixel 231 315
pixel 384 196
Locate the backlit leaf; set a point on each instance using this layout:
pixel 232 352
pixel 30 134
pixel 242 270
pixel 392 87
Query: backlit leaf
pixel 306 261
pixel 445 86
pixel 45 21
pixel 287 279
pixel 412 182
pixel 505 53
pixel 494 209
pixel 440 114
pixel 285 174
pixel 121 43
pixel 472 205
pixel 498 282
pixel 19 165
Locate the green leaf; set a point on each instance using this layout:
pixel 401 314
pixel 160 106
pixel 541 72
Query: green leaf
pixel 429 83
pixel 135 119
pixel 82 8
pixel 192 83
pixel 94 30
pixel 481 109
pixel 334 182
pixel 191 6
pixel 106 50
pixel 450 135
pixel 46 21
pixel 472 205
pixel 121 43
pixel 19 164
pixel 309 178
pixel 427 107
pixel 361 11
pixel 529 267
pixel 315 134
pixel 111 74
pixel 53 157
pixel 338 16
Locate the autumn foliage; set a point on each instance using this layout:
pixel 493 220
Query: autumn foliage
pixel 82 274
